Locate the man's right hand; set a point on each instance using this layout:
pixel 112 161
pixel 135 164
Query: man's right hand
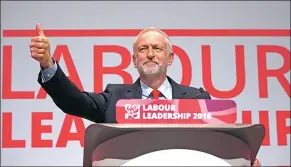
pixel 40 48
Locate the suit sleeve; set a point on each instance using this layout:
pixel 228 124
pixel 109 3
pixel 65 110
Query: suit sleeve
pixel 68 97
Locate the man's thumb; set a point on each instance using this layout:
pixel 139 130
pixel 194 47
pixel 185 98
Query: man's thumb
pixel 39 30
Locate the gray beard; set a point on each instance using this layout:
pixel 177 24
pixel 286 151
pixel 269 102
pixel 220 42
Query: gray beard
pixel 151 70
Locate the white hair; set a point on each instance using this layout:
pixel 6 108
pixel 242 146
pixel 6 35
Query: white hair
pixel 168 41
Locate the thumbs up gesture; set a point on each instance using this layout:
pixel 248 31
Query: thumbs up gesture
pixel 40 48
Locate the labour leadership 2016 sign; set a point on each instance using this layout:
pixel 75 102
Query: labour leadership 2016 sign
pixel 176 111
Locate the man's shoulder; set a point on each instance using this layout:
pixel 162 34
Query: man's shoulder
pixel 189 89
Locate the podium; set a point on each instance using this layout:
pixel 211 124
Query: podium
pixel 129 144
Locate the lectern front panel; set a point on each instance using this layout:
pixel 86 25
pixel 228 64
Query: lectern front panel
pixel 124 148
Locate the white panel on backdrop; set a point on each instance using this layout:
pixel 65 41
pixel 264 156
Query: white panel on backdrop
pixel 260 98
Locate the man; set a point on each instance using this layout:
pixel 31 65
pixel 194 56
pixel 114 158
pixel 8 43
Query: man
pixel 152 54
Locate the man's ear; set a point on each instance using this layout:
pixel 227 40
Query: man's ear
pixel 170 59
pixel 134 61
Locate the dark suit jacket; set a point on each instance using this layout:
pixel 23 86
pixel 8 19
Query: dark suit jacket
pixel 100 108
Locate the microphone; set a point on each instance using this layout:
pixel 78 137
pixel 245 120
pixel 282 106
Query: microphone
pixel 148 97
pixel 203 92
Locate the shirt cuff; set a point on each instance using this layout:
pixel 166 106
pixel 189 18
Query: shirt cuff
pixel 48 73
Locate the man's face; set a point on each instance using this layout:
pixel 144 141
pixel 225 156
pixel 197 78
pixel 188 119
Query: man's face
pixel 152 55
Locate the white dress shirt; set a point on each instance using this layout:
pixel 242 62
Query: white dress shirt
pixel 165 89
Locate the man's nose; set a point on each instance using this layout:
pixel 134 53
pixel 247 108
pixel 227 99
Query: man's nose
pixel 150 53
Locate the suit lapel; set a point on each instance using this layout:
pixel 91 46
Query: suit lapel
pixel 133 91
pixel 177 91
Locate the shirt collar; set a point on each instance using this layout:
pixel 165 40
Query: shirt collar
pixel 165 89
